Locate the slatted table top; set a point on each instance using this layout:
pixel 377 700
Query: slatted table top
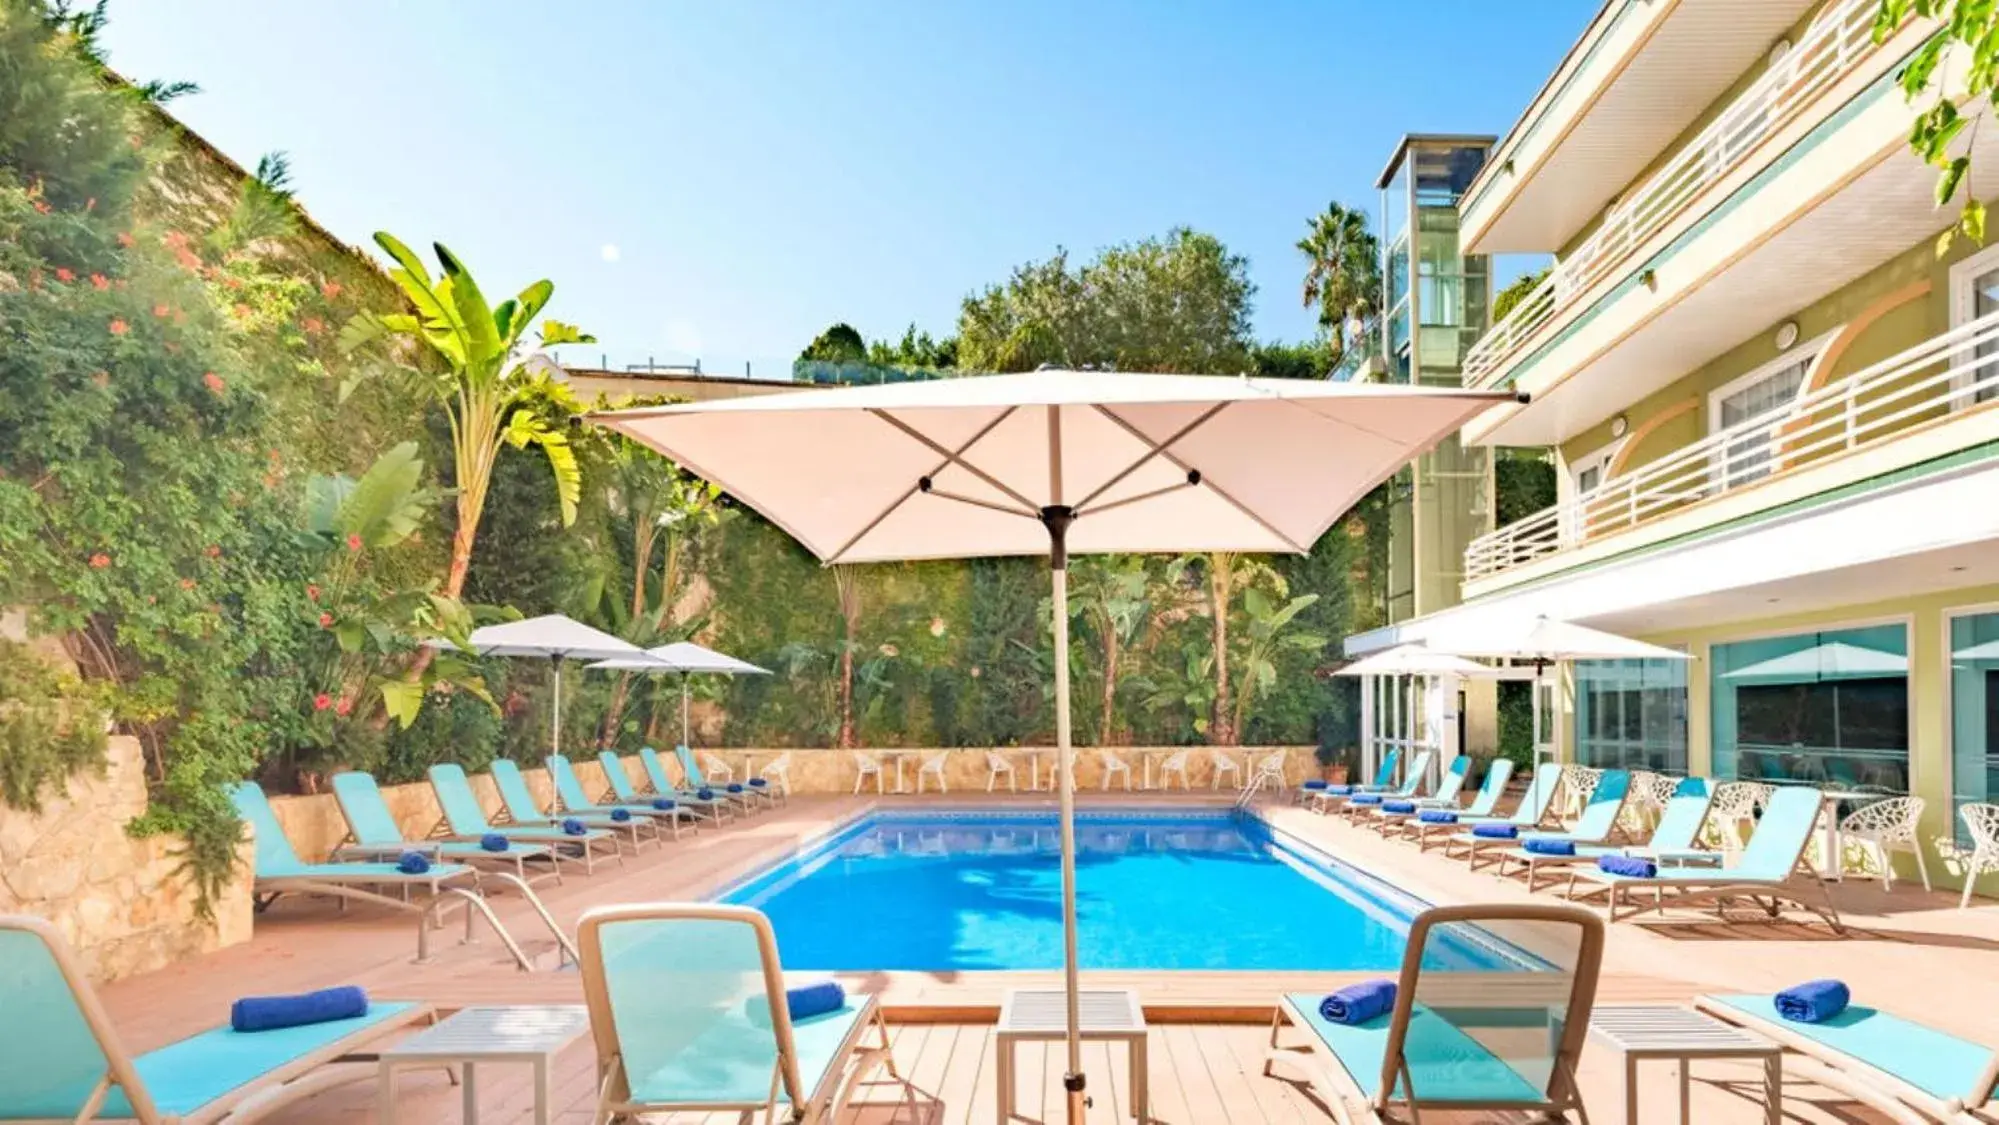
pixel 1659 1029
pixel 1030 1013
pixel 495 1033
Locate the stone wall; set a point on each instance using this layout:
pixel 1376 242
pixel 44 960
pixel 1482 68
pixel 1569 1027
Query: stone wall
pixel 315 827
pixel 122 902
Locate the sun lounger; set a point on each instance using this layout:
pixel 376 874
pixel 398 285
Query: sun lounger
pixel 1386 820
pixel 752 791
pixel 64 1061
pixel 517 800
pixel 574 799
pixel 688 1013
pixel 1771 868
pixel 373 834
pixel 713 808
pixel 1891 1063
pixel 1413 781
pixel 1384 778
pixel 1455 1040
pixel 1676 838
pixel 1529 814
pixel 1595 827
pixel 465 819
pixel 1497 774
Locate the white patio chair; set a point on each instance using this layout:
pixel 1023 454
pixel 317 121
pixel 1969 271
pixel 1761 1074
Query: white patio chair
pixel 1175 763
pixel 997 764
pixel 866 766
pixel 933 767
pixel 778 772
pixel 1733 813
pixel 1225 766
pixel 1578 782
pixel 1886 826
pixel 1113 765
pixel 1270 772
pixel 717 770
pixel 1641 806
pixel 1983 820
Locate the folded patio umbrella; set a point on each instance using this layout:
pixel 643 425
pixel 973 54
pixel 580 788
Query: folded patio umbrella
pixel 1054 462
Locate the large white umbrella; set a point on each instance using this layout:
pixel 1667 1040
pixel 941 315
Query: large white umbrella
pixel 1050 463
pixel 683 657
pixel 555 637
pixel 1416 660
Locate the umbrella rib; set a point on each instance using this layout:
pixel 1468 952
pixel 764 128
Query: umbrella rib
pixel 950 458
pixel 1129 500
pixel 1207 482
pixel 1152 449
pixel 978 503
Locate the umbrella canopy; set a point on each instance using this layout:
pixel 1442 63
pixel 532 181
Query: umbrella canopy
pixel 553 636
pixel 1835 660
pixel 684 657
pixel 1545 640
pixel 1415 660
pixel 1053 462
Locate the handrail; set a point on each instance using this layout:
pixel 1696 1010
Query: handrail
pixel 1830 49
pixel 1951 371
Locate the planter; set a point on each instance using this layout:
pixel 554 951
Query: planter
pixel 1336 775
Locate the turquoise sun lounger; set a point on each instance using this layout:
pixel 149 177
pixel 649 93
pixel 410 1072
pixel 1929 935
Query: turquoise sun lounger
pixel 465 819
pixel 574 799
pixel 1385 821
pixel 1770 865
pixel 1595 826
pixel 1498 773
pixel 64 1060
pixel 374 834
pixel 1417 776
pixel 694 807
pixel 687 1010
pixel 1529 814
pixel 1384 779
pixel 751 791
pixel 1676 838
pixel 661 780
pixel 1877 1058
pixel 518 802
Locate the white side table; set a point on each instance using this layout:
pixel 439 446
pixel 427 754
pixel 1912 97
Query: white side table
pixel 1037 1015
pixel 486 1035
pixel 1683 1035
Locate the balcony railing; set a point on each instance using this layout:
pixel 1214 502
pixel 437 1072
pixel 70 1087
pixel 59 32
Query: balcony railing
pixel 1954 371
pixel 1829 50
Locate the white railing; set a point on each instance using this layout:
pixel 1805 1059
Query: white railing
pixel 1953 371
pixel 1830 49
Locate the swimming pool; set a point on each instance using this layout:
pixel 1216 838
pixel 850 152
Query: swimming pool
pixel 1193 889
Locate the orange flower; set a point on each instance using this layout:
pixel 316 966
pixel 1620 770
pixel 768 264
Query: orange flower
pixel 187 583
pixel 321 701
pixel 101 378
pixel 330 290
pixel 314 326
pixel 125 239
pixel 43 206
pixel 119 327
pixel 214 551
pixel 343 707
pixel 353 542
pixel 326 621
pixel 64 273
pixel 99 561
pixel 161 311
pixel 232 282
pixel 242 312
pixel 311 592
pixel 99 281
pixel 213 382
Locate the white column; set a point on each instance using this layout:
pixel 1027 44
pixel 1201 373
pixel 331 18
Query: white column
pixel 1368 750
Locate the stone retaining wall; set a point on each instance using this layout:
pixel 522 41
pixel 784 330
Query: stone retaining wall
pixel 122 902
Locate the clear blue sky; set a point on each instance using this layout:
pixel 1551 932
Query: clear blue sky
pixel 764 169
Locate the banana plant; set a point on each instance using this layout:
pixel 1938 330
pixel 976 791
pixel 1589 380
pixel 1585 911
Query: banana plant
pixel 483 383
pixel 1269 629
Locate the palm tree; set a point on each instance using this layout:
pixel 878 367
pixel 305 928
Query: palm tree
pixel 1111 595
pixel 1342 272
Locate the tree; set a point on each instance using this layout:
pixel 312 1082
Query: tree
pixel 915 349
pixel 1516 291
pixel 1109 594
pixel 1972 25
pixel 1269 629
pixel 847 587
pixel 483 382
pixel 1342 272
pixel 838 344
pixel 1290 361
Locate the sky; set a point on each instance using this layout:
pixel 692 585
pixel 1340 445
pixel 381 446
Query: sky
pixel 723 180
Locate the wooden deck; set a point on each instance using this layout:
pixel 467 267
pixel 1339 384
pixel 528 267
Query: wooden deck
pixel 1908 951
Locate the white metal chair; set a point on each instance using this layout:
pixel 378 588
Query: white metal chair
pixel 1578 782
pixel 1175 763
pixel 997 764
pixel 1270 772
pixel 1886 826
pixel 1641 806
pixel 1734 809
pixel 778 772
pixel 1983 820
pixel 933 767
pixel 715 769
pixel 866 766
pixel 1225 766
pixel 1113 765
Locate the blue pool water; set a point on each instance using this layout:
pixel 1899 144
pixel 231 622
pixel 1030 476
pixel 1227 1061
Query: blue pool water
pixel 1194 890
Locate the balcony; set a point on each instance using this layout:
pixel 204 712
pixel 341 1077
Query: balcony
pixel 1899 412
pixel 1832 49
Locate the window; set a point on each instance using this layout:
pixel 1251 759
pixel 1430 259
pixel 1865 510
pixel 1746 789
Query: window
pixel 1586 475
pixel 1974 293
pixel 1764 394
pixel 1632 714
pixel 1974 714
pixel 1815 707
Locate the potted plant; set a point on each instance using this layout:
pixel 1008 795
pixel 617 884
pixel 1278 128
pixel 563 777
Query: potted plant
pixel 1335 762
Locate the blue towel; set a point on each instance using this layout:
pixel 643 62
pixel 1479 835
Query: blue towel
pixel 1398 806
pixel 663 804
pixel 1314 783
pixel 493 842
pixel 621 815
pixel 735 787
pixel 1365 799
pixel 574 827
pixel 1358 1003
pixel 1437 816
pixel 1340 790
pixel 1495 831
pixel 1814 1001
pixel 413 863
pixel 271 1013
pixel 1543 845
pixel 705 794
pixel 758 782
pixel 802 1002
pixel 1627 865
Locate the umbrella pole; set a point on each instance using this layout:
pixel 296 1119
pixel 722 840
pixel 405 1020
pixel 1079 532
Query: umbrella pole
pixel 555 720
pixel 683 710
pixel 1057 518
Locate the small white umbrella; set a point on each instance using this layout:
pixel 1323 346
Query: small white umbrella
pixel 1050 463
pixel 555 637
pixel 1833 660
pixel 683 657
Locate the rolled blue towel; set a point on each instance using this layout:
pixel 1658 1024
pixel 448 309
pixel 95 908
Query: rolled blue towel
pixel 272 1013
pixel 802 1002
pixel 663 804
pixel 1365 799
pixel 1404 807
pixel 1496 831
pixel 493 842
pixel 705 794
pixel 1437 816
pixel 1627 865
pixel 1340 790
pixel 758 782
pixel 574 827
pixel 734 787
pixel 1314 783
pixel 1814 1001
pixel 621 815
pixel 1548 845
pixel 1358 1003
pixel 413 863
